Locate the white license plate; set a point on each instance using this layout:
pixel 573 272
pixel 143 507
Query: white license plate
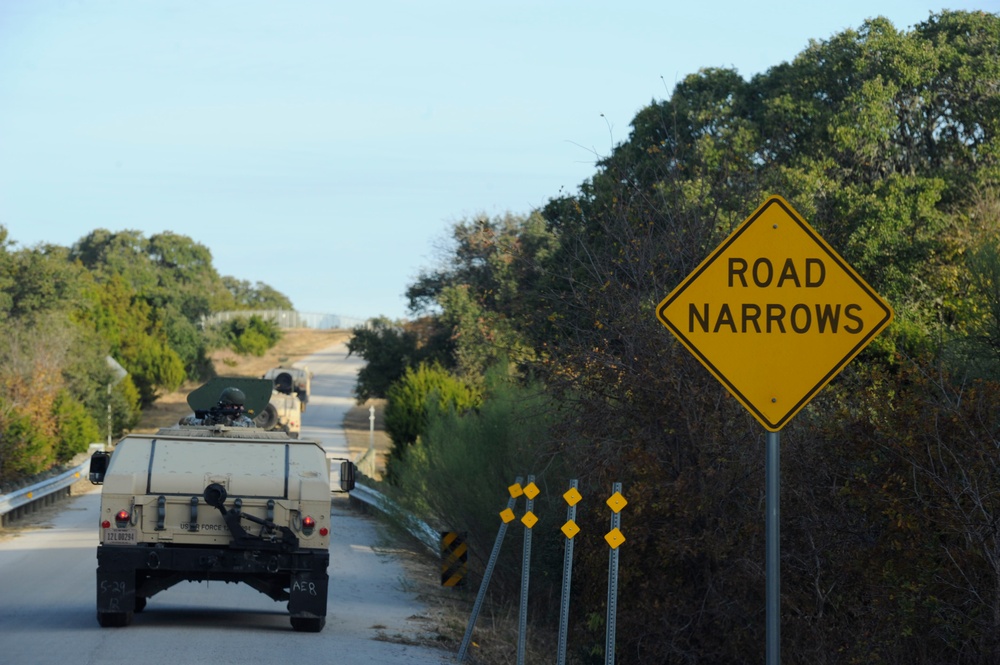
pixel 120 537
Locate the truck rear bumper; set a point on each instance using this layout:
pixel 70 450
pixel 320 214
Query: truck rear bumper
pixel 127 573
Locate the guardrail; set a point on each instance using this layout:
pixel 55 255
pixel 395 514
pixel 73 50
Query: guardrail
pixel 44 493
pixel 416 527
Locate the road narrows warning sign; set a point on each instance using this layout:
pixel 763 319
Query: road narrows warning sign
pixel 774 313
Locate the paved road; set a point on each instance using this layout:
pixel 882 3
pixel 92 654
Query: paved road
pixel 334 375
pixel 47 590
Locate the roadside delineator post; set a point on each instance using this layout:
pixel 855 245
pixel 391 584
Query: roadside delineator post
pixel 570 529
pixel 506 516
pixel 615 538
pixel 529 520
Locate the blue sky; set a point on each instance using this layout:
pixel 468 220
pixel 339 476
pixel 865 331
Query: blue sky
pixel 326 148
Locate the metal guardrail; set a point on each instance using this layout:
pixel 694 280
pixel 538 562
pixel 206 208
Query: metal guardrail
pixel 289 319
pixel 416 527
pixel 41 492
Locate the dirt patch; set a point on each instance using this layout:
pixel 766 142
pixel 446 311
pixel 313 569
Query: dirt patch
pixel 293 346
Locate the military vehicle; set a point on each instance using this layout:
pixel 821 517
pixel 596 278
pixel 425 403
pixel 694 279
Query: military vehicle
pixel 288 380
pixel 282 412
pixel 215 502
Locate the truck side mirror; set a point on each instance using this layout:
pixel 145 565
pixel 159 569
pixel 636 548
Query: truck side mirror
pixel 99 466
pixel 347 471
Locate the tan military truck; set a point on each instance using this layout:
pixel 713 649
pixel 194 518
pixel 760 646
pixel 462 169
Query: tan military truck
pixel 215 502
pixel 282 413
pixel 289 380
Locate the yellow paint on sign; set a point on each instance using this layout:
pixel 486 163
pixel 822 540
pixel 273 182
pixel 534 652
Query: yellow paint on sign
pixel 614 538
pixel 570 529
pixel 515 490
pixel 774 313
pixel 531 490
pixel 616 502
pixel 507 515
pixel 529 520
pixel 572 496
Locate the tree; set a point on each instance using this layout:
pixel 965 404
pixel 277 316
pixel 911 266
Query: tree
pixel 136 340
pixel 422 391
pixel 255 296
pixel 884 140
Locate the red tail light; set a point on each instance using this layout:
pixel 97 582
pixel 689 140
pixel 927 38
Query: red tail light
pixel 323 531
pixel 105 524
pixel 121 518
pixel 308 524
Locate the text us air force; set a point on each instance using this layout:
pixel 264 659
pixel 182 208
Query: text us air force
pixel 774 313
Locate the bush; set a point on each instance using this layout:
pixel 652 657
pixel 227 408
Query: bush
pixel 423 391
pixel 75 428
pixel 456 476
pixel 251 336
pixel 25 449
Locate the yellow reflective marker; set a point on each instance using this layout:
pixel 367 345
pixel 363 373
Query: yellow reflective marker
pixel 616 502
pixel 572 496
pixel 507 515
pixel 570 529
pixel 531 490
pixel 515 490
pixel 529 519
pixel 614 538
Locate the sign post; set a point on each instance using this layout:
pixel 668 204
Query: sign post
pixel 774 313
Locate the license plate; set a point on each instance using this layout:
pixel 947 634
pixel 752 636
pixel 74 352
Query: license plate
pixel 120 537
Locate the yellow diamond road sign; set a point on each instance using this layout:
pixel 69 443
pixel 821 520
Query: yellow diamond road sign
pixel 774 313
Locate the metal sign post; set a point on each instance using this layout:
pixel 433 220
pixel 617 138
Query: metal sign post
pixel 772 525
pixel 570 529
pixel 529 520
pixel 507 516
pixel 614 538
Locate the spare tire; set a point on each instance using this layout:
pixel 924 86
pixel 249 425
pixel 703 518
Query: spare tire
pixel 283 383
pixel 267 418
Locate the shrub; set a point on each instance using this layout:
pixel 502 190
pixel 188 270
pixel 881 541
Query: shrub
pixel 251 336
pixel 426 389
pixel 456 476
pixel 75 428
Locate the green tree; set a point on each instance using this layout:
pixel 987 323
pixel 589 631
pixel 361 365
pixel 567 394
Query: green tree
pixel 420 392
pixel 135 339
pixel 251 335
pixel 255 296
pixel 388 349
pixel 76 429
pixel 884 140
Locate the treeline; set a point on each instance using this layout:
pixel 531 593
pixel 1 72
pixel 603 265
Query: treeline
pixel 64 311
pixel 538 351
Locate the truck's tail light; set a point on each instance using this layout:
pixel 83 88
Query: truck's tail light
pixel 105 524
pixel 323 531
pixel 308 524
pixel 121 518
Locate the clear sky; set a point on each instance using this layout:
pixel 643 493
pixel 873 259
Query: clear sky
pixel 325 147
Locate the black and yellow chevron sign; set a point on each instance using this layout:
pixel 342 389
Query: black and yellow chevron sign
pixel 454 558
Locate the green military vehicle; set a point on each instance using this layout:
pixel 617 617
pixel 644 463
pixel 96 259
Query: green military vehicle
pixel 216 499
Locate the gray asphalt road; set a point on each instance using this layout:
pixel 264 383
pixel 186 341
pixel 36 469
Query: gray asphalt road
pixel 47 588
